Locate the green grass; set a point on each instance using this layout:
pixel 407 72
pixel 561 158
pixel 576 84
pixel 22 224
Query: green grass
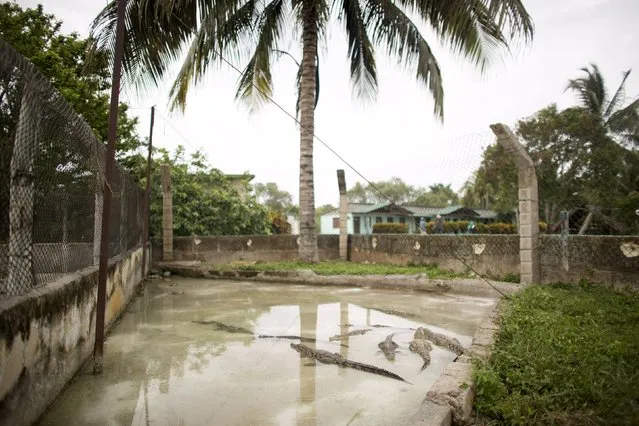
pixel 565 355
pixel 348 268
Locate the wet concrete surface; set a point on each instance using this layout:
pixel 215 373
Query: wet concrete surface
pixel 162 368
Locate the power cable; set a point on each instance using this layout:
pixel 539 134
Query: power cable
pixel 294 118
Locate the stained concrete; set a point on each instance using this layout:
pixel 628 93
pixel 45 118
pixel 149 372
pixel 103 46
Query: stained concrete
pixel 163 368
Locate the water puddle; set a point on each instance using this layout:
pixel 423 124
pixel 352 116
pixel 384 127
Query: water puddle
pixel 169 362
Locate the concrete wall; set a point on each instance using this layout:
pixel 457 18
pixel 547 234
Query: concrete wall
pixel 46 335
pixel 251 248
pixel 487 254
pixel 598 258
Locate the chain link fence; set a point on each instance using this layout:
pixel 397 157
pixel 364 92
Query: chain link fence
pixel 51 180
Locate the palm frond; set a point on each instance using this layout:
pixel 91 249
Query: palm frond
pixel 473 28
pixel 155 31
pixel 591 90
pixel 393 29
pixel 360 49
pixel 256 83
pixel 618 98
pixel 214 35
pixel 625 123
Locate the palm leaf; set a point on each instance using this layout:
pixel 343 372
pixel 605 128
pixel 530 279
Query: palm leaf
pixel 625 123
pixel 256 83
pixel 591 90
pixel 472 28
pixel 391 28
pixel 618 97
pixel 155 31
pixel 212 38
pixel 360 48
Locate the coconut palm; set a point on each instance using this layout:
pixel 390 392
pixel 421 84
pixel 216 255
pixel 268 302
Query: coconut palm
pixel 159 31
pixel 621 122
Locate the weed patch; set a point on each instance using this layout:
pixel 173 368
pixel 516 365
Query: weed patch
pixel 565 354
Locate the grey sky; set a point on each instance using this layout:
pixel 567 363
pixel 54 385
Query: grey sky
pixel 397 134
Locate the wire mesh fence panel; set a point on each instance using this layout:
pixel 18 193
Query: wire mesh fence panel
pixel 51 181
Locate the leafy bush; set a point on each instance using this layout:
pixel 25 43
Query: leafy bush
pixel 390 228
pixel 461 227
pixel 565 354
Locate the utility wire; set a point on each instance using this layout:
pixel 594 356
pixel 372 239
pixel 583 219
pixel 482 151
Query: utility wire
pixel 294 118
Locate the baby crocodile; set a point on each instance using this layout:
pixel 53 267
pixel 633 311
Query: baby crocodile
pixel 449 343
pixel 352 333
pixel 422 348
pixel 388 347
pixel 326 357
pixel 225 327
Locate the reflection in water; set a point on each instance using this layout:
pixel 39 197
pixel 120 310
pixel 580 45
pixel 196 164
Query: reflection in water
pixel 162 368
pixel 306 413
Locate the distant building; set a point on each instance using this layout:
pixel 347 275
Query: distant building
pixel 295 224
pixel 241 183
pixel 362 217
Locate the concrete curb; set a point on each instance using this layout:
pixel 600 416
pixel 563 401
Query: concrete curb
pixel 419 282
pixel 455 388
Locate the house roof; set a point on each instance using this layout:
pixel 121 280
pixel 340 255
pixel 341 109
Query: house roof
pixel 450 211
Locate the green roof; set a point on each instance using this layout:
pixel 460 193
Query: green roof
pixel 364 208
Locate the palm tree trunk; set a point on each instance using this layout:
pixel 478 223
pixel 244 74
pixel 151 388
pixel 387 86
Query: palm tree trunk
pixel 308 233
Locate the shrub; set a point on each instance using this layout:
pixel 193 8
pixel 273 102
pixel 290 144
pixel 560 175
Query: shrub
pixel 390 228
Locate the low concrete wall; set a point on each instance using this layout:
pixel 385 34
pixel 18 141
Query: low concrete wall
pixel 252 248
pixel 596 258
pixel 46 335
pixel 495 255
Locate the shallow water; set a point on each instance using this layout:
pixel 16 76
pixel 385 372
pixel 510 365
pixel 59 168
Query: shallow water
pixel 162 368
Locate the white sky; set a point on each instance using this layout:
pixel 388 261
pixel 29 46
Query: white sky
pixel 397 135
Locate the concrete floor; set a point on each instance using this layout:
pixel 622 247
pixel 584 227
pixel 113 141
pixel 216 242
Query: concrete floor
pixel 161 368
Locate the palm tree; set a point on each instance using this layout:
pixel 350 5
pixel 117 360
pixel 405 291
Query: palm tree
pixel 158 31
pixel 621 122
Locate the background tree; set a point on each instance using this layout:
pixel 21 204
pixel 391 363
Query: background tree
pixel 62 158
pixel 621 122
pixel 157 32
pixel 270 195
pixel 357 194
pixel 204 202
pixel 437 195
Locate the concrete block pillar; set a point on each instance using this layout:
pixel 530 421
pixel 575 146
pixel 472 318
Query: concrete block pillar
pixel 167 214
pixel 343 216
pixel 528 203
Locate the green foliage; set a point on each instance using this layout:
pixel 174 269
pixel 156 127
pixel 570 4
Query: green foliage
pixel 334 267
pixel 279 224
pixel 204 202
pixel 461 227
pixel 565 354
pixel 61 59
pixel 273 198
pixel 390 228
pixel 437 195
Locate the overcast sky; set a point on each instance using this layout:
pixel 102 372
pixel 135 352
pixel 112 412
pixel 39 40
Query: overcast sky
pixel 397 134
